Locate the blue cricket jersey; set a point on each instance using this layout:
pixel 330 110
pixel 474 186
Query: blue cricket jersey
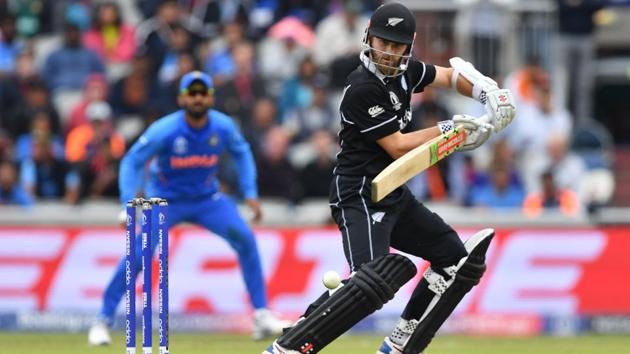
pixel 185 160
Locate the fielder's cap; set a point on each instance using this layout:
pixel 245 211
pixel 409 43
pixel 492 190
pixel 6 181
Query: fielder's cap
pixel 98 111
pixel 393 22
pixel 194 78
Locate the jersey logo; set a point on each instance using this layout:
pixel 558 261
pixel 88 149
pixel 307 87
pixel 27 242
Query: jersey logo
pixel 377 217
pixel 393 21
pixel 395 100
pixel 180 145
pixel 214 140
pixel 375 111
pixel 194 161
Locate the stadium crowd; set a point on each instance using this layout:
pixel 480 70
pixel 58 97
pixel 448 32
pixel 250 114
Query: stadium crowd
pixel 80 80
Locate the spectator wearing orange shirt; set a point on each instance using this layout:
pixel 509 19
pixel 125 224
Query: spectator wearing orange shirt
pixel 551 197
pixel 95 150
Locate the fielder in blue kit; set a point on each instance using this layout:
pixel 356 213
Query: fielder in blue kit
pixel 184 149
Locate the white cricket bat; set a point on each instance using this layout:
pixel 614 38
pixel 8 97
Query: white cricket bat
pixel 416 161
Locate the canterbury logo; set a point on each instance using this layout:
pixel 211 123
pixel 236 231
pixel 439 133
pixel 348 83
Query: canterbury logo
pixel 375 111
pixel 393 21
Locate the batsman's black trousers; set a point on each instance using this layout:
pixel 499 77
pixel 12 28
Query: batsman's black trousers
pixel 399 221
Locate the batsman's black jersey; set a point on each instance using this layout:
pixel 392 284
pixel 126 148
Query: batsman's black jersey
pixel 373 107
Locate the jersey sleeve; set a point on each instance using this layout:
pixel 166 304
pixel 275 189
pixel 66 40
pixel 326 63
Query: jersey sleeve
pixel 131 173
pixel 370 109
pixel 242 154
pixel 421 75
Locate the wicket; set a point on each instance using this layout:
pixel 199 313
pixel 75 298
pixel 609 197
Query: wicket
pixel 131 271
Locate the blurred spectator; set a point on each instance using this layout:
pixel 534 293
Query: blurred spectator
pixel 551 198
pixel 167 102
pixel 131 94
pixel 297 91
pixel 215 14
pixel 11 192
pixel 109 37
pixel 220 62
pixel 574 52
pixel 153 35
pixel 522 82
pixel 276 176
pixel 264 118
pixel 67 69
pixel 340 34
pixel 15 85
pixel 500 193
pixel 40 131
pixel 33 17
pixel 77 12
pixel 482 25
pixel 95 151
pixel 302 122
pixel 96 89
pixel 308 11
pixel 179 42
pixel 315 177
pixel 6 146
pixel 45 174
pixel 281 56
pixel 429 108
pixel 10 46
pixel 236 97
pixel 536 123
pixel 36 99
pixel 568 169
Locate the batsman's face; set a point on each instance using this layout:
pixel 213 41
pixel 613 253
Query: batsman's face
pixel 387 54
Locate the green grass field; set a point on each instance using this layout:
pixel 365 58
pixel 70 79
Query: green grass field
pixel 38 343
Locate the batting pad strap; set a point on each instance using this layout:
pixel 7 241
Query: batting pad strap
pixel 437 283
pixel 374 284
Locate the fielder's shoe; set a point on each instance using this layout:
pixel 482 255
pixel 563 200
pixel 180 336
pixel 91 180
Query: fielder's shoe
pixel 99 334
pixel 275 348
pixel 267 325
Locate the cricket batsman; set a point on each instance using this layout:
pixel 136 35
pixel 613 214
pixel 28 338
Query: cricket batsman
pixel 374 109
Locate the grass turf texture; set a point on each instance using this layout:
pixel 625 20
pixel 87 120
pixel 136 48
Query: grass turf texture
pixel 38 343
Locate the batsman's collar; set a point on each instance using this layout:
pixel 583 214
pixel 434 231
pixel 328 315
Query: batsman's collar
pixel 195 77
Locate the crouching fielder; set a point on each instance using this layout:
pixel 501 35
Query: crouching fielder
pixel 374 109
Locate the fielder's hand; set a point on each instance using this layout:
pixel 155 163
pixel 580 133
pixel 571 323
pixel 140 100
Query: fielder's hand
pixel 254 205
pixel 501 108
pixel 477 130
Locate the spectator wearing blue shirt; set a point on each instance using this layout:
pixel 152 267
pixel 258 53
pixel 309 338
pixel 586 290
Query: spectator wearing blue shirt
pixel 500 192
pixel 10 46
pixel 11 192
pixel 69 67
pixel 184 149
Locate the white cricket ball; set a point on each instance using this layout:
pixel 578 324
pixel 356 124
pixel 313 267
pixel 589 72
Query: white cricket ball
pixel 331 279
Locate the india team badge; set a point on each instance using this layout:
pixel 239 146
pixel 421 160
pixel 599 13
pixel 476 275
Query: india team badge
pixel 214 140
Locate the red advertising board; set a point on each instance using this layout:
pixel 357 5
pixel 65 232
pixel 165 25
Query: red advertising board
pixel 531 272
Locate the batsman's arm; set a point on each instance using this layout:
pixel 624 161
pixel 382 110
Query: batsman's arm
pixel 398 144
pixel 132 171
